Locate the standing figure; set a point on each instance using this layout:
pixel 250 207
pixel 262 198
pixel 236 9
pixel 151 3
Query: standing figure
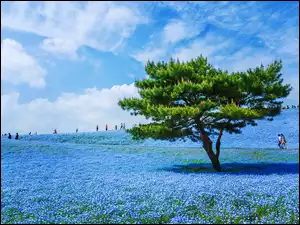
pixel 116 127
pixel 17 136
pixel 55 131
pixel 9 136
pixel 124 126
pixel 279 141
pixel 97 128
pixel 106 127
pixel 76 130
pixel 30 133
pixel 283 142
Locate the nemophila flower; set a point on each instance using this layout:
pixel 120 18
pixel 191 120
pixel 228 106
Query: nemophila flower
pixel 93 178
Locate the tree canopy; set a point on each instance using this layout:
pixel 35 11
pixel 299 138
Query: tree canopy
pixel 193 99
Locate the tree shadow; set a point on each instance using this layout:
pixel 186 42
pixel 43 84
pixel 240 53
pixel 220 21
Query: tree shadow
pixel 238 168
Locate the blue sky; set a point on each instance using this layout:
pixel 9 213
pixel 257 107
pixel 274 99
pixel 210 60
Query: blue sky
pixel 66 64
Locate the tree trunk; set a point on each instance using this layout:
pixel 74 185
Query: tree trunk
pixel 218 143
pixel 207 145
pixel 215 162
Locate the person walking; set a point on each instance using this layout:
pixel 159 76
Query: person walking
pixel 279 141
pixel 283 141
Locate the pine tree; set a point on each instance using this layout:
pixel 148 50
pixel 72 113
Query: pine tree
pixel 194 100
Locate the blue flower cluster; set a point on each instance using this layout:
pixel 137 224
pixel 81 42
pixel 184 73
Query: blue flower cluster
pixel 52 182
pixel 106 177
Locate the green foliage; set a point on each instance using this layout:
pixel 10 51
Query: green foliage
pixel 181 98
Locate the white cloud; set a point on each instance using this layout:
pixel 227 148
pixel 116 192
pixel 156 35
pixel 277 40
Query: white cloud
pixel 102 25
pixel 173 32
pixel 69 111
pixel 17 66
pixel 207 46
pixel 289 45
pixel 177 31
pixel 150 54
pixel 270 22
pixel 246 58
pixel 60 47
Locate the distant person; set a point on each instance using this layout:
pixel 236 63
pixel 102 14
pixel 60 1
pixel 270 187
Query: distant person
pixel 97 128
pixel 116 127
pixel 123 126
pixel 283 141
pixel 279 141
pixel 55 131
pixel 9 136
pixel 17 136
pixel 77 130
pixel 106 127
pixel 5 134
pixel 29 133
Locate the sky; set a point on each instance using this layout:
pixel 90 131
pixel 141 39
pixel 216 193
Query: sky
pixel 65 65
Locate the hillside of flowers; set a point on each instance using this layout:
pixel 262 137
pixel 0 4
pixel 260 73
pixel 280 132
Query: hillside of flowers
pixel 105 177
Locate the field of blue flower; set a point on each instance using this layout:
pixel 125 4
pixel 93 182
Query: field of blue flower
pixel 106 177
